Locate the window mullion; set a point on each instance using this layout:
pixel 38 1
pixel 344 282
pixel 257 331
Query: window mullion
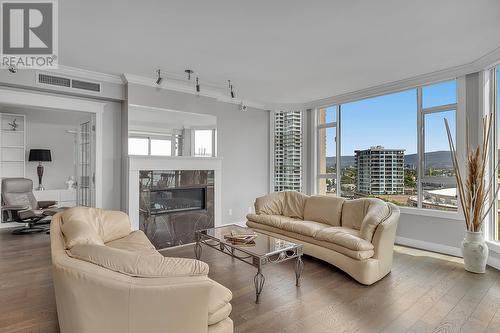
pixel 327 125
pixel 420 147
pixel 441 108
pixel 494 232
pixel 338 150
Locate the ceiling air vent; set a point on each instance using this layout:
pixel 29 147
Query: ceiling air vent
pixel 91 86
pixel 54 80
pixel 67 82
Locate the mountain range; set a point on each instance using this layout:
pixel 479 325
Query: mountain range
pixel 435 159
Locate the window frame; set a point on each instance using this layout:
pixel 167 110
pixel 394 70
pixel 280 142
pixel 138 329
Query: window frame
pixel 458 107
pixel 214 140
pixel 492 230
pixel 150 137
pixel 335 124
pixel 421 113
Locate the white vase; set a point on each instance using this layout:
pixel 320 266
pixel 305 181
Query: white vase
pixel 475 252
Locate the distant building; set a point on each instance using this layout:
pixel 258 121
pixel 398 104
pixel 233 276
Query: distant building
pixel 442 199
pixel 380 171
pixel 288 151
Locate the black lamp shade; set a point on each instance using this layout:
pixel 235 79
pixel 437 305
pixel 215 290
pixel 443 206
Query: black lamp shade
pixel 40 155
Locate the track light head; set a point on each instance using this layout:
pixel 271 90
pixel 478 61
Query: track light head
pixel 243 107
pixel 189 72
pixel 197 85
pixel 231 89
pixel 12 69
pixel 159 78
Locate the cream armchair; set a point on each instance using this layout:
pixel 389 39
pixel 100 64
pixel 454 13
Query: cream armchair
pixel 357 235
pixel 110 279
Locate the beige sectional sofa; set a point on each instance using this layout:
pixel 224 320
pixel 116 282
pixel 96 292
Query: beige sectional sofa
pixel 110 279
pixel 357 235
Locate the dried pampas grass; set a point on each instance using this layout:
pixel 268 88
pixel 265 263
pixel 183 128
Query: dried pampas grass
pixel 475 191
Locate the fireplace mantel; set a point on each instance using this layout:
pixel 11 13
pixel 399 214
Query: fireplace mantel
pixel 138 163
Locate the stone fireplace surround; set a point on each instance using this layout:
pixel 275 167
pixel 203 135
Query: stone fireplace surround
pixel 155 163
pixel 174 204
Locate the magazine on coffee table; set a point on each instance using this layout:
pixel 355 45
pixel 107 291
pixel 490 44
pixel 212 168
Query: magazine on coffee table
pixel 247 238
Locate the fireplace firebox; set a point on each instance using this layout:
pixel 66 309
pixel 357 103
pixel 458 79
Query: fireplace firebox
pixel 175 203
pixel 178 200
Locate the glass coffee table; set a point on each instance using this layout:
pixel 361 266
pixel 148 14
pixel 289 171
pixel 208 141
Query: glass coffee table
pixel 267 249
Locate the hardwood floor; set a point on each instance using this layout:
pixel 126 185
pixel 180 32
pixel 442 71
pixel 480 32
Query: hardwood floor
pixel 425 292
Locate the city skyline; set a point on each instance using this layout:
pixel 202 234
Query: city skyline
pixel 366 123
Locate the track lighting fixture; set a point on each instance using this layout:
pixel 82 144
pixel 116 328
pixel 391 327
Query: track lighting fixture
pixel 12 69
pixel 231 88
pixel 174 77
pixel 158 78
pixel 242 106
pixel 189 72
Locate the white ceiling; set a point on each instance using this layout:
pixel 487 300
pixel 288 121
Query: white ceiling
pixel 279 51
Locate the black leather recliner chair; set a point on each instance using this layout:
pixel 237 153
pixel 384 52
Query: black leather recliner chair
pixel 19 205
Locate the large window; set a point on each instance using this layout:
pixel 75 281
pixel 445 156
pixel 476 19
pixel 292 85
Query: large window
pixel 154 146
pixel 379 147
pixel 288 145
pixel 204 142
pixel 392 147
pixel 197 142
pixel 438 185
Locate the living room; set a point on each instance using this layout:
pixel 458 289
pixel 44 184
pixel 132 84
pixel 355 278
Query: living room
pixel 188 166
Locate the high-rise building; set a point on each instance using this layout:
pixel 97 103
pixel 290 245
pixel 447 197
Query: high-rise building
pixel 288 145
pixel 380 171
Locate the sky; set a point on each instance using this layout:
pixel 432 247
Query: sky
pixel 391 121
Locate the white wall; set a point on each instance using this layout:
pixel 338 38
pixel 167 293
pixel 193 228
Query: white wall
pixel 243 144
pixel 112 156
pixel 46 129
pixel 433 233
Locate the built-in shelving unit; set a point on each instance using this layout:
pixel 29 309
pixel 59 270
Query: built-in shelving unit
pixel 12 146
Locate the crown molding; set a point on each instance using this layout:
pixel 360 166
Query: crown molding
pixel 382 89
pixel 86 74
pixel 184 87
pixel 488 60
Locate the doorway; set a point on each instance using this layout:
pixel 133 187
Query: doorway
pixel 83 133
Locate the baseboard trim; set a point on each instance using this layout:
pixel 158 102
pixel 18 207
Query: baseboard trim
pixel 440 248
pixel 494 262
pixel 428 246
